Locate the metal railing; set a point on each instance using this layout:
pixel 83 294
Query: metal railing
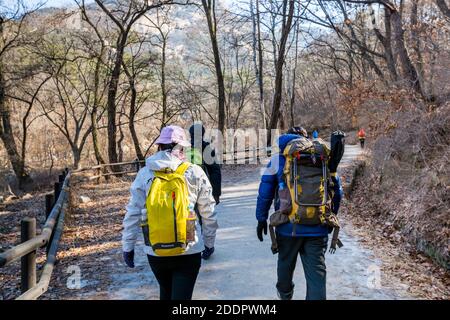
pixel 26 251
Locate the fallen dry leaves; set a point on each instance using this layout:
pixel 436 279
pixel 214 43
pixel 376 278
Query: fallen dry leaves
pixel 402 263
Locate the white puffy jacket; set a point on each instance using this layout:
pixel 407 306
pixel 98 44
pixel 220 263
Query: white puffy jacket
pixel 199 191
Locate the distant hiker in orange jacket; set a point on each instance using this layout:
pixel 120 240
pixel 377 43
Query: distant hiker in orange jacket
pixel 362 137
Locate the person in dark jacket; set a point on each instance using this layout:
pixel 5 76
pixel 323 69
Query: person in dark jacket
pixel 210 166
pixel 310 242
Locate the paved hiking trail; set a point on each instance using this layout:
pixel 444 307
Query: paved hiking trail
pixel 244 268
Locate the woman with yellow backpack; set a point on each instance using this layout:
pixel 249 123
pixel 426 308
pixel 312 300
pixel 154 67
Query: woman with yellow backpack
pixel 163 197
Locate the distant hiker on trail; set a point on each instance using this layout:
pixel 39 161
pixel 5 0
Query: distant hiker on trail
pixel 202 154
pixel 362 137
pixel 301 229
pixel 163 197
pixel 315 134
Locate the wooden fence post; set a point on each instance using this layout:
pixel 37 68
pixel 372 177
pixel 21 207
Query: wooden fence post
pixel 49 201
pixel 57 190
pixel 99 174
pixel 61 178
pixel 254 155
pixel 28 262
pixel 258 156
pixel 137 165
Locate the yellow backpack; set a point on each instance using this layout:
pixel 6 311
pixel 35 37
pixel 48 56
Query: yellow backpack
pixel 168 215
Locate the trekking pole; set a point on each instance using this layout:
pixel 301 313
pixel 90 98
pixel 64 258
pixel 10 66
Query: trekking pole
pixel 325 179
pixel 335 241
pixel 295 180
pixel 48 204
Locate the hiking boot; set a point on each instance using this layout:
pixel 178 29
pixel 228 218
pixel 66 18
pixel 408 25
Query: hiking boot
pixel 286 296
pixel 206 254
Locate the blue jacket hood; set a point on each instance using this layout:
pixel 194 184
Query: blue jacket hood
pixel 284 139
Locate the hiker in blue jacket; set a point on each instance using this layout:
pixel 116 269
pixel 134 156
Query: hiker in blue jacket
pixel 308 241
pixel 315 134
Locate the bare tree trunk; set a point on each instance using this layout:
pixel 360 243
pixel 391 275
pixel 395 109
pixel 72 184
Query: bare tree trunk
pixel 415 39
pixel 124 25
pixel 409 71
pixel 395 34
pixel 94 136
pixel 131 125
pixel 258 59
pixel 282 121
pixel 7 136
pixel 95 143
pixel 286 28
pixel 386 41
pixel 25 124
pixel 6 131
pixel 94 111
pixel 76 152
pixel 209 7
pixel 111 103
pixel 294 75
pixel 163 82
pixel 363 47
pixel 132 113
pixel 120 144
pixel 261 66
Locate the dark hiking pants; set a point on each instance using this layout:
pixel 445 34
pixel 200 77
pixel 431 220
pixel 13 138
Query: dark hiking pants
pixel 176 275
pixel 312 253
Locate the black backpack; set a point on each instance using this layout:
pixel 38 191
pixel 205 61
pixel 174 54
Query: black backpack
pixel 337 144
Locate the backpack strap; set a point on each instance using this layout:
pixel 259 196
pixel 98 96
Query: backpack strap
pixel 181 170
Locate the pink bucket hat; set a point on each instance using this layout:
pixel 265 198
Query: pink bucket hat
pixel 173 134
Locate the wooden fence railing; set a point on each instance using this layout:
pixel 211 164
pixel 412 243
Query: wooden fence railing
pixel 132 167
pixel 56 207
pixel 26 251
